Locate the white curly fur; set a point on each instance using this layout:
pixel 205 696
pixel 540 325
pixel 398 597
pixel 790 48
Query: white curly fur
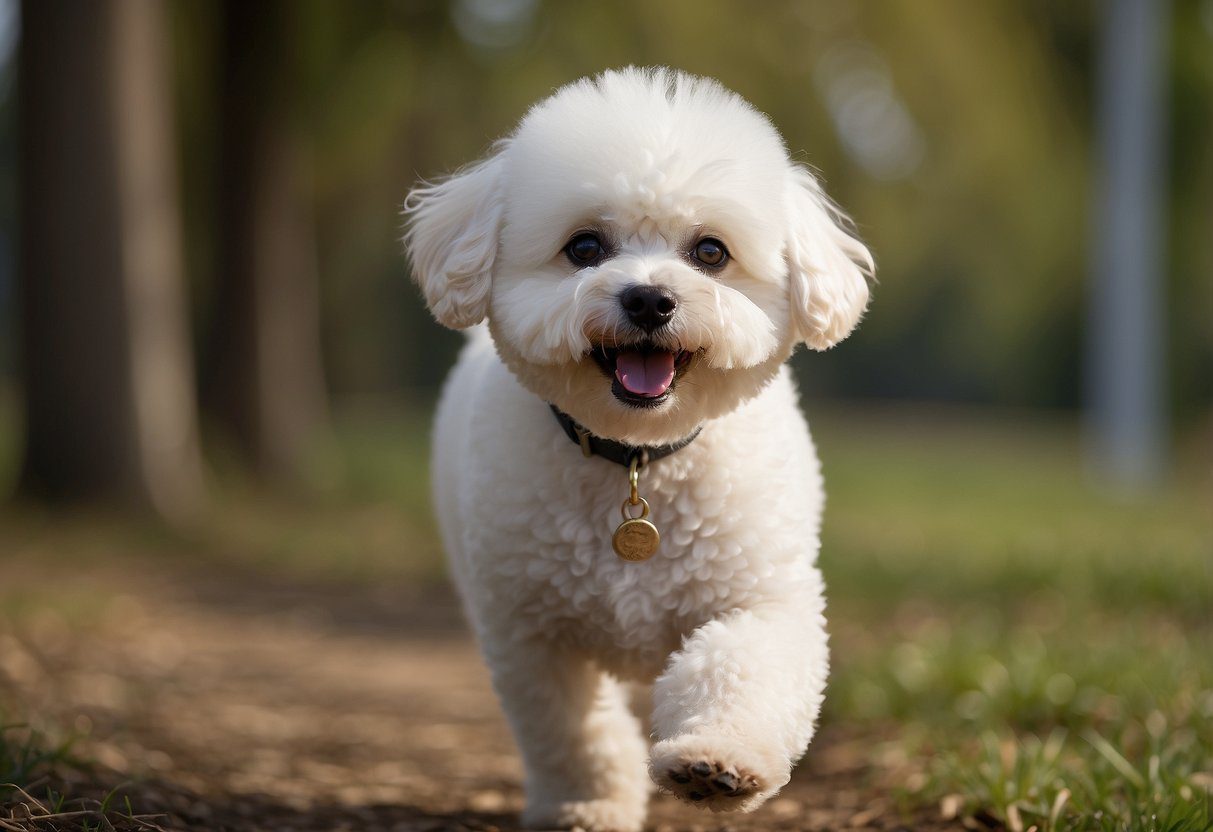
pixel 726 621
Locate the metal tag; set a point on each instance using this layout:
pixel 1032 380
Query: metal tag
pixel 636 539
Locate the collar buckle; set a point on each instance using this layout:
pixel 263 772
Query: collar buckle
pixel 583 439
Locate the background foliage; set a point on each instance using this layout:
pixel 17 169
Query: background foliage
pixel 958 136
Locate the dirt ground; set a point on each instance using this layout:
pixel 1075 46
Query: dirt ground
pixel 231 702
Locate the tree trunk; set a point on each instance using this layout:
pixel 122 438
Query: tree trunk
pixel 108 381
pixel 265 384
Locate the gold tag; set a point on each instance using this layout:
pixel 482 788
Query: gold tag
pixel 636 538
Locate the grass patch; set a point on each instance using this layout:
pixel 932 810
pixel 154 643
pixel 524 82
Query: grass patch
pixel 28 755
pixel 39 776
pixel 363 516
pixel 1057 783
pixel 1042 651
pixel 366 515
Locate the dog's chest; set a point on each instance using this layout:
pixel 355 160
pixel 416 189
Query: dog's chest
pixel 548 549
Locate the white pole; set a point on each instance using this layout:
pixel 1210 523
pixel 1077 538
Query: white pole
pixel 1125 363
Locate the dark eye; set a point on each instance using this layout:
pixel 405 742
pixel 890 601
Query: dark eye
pixel 584 249
pixel 710 252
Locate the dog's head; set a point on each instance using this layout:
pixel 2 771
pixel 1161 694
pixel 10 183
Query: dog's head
pixel 644 250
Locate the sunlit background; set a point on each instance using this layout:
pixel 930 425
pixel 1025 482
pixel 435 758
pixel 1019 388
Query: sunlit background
pixel 212 359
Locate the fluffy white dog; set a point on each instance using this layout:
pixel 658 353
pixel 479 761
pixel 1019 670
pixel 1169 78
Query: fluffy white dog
pixel 647 257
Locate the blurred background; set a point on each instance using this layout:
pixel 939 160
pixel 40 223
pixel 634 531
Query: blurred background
pixel 240 168
pixel 211 352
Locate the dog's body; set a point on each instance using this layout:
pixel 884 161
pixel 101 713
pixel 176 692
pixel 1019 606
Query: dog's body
pixel 739 258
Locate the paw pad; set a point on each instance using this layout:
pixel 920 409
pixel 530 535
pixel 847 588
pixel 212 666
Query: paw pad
pixel 709 783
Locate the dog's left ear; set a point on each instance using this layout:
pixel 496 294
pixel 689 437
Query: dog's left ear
pixel 451 236
pixel 828 268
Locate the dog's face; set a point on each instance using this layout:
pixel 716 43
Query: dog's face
pixel 644 250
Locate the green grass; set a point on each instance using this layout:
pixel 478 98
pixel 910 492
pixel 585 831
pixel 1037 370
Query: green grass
pixel 28 754
pixel 1021 646
pixel 30 760
pixel 364 514
pixel 1041 652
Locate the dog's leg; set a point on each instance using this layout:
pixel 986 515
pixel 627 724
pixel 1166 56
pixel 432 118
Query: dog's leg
pixel 582 747
pixel 737 705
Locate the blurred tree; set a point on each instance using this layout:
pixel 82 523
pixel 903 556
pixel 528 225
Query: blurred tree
pixel 109 392
pixel 264 380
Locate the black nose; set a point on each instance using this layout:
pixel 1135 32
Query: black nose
pixel 649 307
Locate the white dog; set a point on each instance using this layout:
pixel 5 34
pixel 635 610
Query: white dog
pixel 647 257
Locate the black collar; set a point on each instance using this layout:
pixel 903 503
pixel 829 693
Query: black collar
pixel 617 452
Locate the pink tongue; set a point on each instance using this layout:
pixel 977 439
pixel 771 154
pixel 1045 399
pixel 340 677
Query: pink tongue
pixel 645 374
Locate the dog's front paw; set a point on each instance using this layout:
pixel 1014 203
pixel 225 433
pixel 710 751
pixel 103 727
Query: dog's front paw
pixel 599 815
pixel 716 773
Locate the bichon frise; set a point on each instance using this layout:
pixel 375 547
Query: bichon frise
pixel 624 482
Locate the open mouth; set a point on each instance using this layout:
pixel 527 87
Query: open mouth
pixel 642 375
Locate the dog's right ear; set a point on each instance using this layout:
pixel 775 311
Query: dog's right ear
pixel 451 236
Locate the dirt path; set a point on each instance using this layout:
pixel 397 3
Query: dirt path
pixel 240 704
